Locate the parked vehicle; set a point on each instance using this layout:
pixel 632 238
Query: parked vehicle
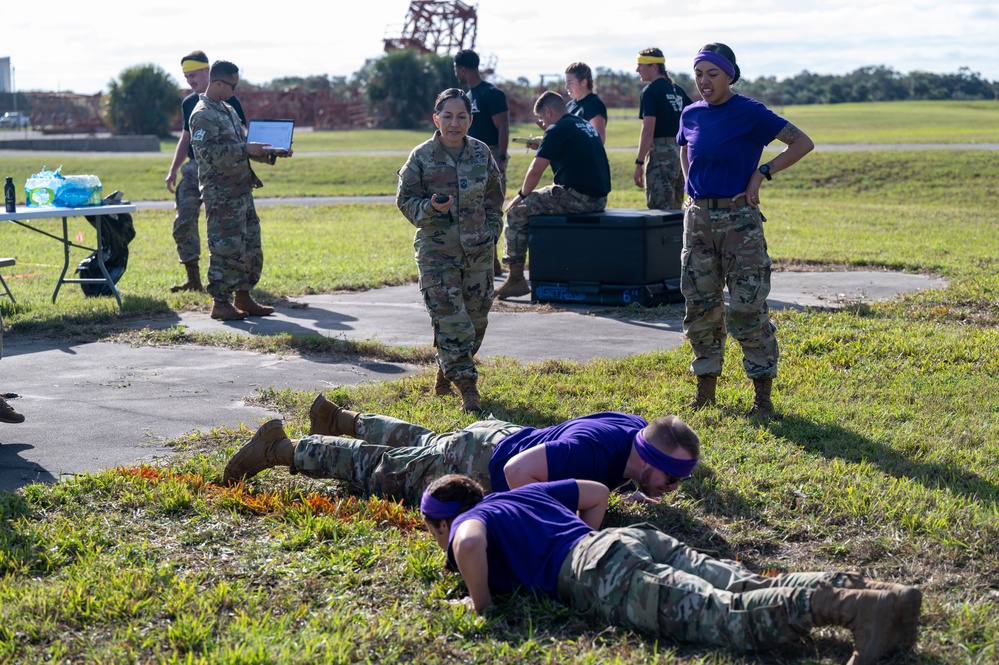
pixel 15 120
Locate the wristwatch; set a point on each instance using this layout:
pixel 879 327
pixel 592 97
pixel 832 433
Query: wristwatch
pixel 501 158
pixel 765 170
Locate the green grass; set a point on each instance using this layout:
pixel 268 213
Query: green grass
pixel 884 460
pixel 371 173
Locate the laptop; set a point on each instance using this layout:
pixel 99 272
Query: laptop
pixel 278 133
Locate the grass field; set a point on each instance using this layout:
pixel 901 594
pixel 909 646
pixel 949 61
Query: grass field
pixel 885 460
pixel 328 163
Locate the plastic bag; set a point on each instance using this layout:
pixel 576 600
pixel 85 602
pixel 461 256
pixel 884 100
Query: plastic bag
pixel 51 188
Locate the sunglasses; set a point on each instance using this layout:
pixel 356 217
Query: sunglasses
pixel 672 480
pixel 231 85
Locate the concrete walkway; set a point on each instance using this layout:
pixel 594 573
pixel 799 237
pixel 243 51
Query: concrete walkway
pixel 98 405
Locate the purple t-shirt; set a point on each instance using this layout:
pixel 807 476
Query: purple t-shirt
pixel 594 447
pixel 724 144
pixel 529 533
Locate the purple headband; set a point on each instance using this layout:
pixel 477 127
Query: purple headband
pixel 681 468
pixel 716 59
pixel 439 510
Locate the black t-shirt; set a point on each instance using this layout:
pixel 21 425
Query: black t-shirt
pixel 487 101
pixel 661 101
pixel 588 107
pixel 187 108
pixel 678 89
pixel 578 158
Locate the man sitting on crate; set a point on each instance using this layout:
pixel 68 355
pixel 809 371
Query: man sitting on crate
pixel 582 181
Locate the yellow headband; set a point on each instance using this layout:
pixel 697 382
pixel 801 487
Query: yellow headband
pixel 193 65
pixel 651 60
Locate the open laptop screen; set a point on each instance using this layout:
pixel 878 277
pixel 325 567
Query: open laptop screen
pixel 276 132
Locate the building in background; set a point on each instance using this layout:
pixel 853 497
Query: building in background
pixel 6 81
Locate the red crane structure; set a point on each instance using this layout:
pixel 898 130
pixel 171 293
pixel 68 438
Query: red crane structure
pixel 437 26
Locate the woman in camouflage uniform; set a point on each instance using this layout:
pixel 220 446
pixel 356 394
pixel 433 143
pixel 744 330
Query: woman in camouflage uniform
pixel 450 190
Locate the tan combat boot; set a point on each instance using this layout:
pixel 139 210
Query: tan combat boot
pixel 706 385
pixel 470 400
pixel 193 282
pixel 870 614
pixel 8 414
pixel 223 310
pixel 269 447
pixel 244 302
pixel 910 601
pixel 329 419
pixel 515 284
pixel 763 408
pixel 442 385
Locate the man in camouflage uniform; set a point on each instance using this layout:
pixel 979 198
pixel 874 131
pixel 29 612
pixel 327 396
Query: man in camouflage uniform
pixel 573 148
pixel 642 578
pixel 227 184
pixel 383 456
pixel 187 194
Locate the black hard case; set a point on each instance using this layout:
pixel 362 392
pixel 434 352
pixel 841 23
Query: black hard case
pixel 612 257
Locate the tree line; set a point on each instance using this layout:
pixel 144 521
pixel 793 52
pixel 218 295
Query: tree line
pixel 400 88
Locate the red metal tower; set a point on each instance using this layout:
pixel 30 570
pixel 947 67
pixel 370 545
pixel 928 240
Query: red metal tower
pixel 437 26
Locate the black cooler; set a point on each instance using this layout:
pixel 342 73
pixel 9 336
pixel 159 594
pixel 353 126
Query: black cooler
pixel 611 257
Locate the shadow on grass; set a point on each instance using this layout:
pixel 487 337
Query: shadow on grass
pixel 95 325
pixel 833 441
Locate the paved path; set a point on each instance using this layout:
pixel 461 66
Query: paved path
pixel 97 405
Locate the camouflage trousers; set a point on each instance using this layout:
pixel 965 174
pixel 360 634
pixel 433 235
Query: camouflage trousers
pixel 550 200
pixel 644 579
pixel 495 150
pixel 458 300
pixel 726 247
pixel 396 459
pixel 234 243
pixel 663 176
pixel 187 197
pixel 503 181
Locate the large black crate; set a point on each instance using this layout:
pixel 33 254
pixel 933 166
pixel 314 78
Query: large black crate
pixel 594 293
pixel 616 246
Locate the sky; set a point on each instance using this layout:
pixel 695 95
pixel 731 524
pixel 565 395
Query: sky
pixel 80 48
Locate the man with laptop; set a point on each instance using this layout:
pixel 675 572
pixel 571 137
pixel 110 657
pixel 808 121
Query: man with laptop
pixel 186 193
pixel 227 184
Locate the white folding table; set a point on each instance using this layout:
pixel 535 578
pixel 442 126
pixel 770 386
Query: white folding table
pixel 31 213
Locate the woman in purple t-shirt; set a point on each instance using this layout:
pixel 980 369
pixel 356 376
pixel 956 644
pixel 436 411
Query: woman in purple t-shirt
pixel 642 578
pixel 721 141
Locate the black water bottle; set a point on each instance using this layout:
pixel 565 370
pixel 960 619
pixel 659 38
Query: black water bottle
pixel 8 195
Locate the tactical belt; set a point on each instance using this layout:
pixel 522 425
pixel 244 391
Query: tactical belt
pixel 665 139
pixel 716 204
